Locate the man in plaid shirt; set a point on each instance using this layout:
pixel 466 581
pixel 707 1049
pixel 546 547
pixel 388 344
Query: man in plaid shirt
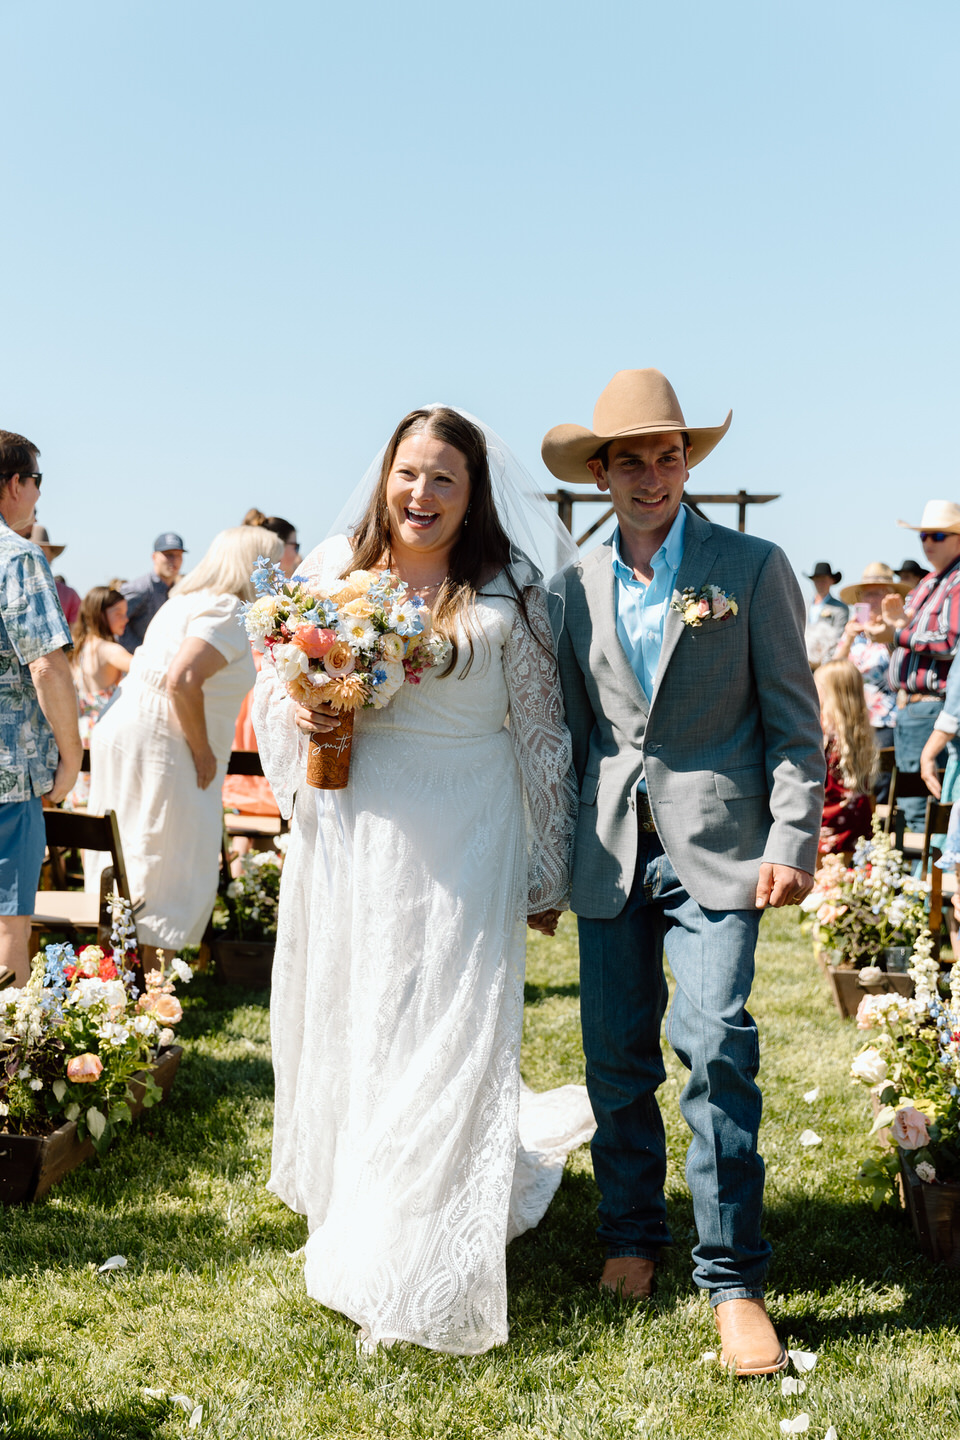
pixel 924 641
pixel 40 750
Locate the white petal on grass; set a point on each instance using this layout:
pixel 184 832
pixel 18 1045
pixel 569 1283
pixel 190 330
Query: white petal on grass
pixel 155 1394
pixel 811 1095
pixel 184 1401
pixel 708 1356
pixel 116 1262
pixel 196 1417
pixel 810 1138
pixel 791 1386
pixel 831 1433
pixel 797 1426
pixel 803 1360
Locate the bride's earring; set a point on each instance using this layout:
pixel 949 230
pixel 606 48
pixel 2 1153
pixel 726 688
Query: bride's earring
pixel 466 518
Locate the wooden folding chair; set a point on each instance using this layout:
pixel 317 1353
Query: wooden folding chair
pixel 75 910
pixel 937 821
pixel 904 785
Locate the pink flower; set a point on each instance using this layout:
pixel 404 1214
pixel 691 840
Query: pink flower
pixel 339 660
pixel 703 607
pixel 166 1008
pixel 827 913
pixel 84 1069
pixel 313 642
pixel 910 1128
pixel 721 607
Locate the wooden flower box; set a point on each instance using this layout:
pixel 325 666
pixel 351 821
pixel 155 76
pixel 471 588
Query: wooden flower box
pixel 935 1214
pixel 848 992
pixel 243 962
pixel 31 1164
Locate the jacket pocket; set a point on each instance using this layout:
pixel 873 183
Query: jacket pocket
pixel 742 784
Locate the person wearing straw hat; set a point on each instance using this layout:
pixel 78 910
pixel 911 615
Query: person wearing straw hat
pixel 699 756
pixel 69 599
pixel 871 656
pixel 923 641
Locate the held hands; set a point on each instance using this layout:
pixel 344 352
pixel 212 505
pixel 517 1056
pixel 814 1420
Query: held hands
pixel 545 922
pixel 781 885
pixel 316 722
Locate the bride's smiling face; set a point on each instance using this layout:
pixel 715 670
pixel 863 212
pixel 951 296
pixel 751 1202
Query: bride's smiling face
pixel 428 491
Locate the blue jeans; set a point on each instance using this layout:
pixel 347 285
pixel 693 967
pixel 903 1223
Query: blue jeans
pixel 913 729
pixel 622 1000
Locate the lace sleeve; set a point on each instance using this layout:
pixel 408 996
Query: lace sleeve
pixel 542 745
pixel 282 753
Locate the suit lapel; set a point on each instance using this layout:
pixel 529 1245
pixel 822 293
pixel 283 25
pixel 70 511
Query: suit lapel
pixel 599 583
pixel 699 554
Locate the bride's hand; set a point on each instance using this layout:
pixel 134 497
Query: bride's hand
pixel 545 922
pixel 317 722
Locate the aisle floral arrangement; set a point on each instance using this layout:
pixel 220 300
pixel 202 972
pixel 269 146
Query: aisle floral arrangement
pixel 911 1064
pixel 248 909
pixel 76 1034
pixel 348 647
pixel 874 904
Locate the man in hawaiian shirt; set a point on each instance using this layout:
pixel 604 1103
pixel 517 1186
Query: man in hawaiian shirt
pixel 40 749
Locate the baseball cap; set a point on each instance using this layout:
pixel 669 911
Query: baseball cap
pixel 169 540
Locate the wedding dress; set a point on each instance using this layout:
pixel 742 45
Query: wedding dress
pixel 397 1004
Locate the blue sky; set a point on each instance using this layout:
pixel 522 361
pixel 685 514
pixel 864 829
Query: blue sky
pixel 241 240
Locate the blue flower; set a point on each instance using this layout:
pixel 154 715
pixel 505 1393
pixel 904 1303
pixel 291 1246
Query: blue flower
pixel 267 577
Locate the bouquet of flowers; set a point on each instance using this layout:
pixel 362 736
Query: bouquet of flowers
pixel 248 910
pixel 873 905
pixel 350 647
pixel 911 1062
pixel 74 1036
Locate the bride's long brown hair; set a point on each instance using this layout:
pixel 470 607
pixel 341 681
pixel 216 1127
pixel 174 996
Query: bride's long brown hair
pixel 482 548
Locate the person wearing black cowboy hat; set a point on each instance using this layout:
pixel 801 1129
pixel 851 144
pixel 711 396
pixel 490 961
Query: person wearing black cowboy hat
pixel 911 572
pixel 826 615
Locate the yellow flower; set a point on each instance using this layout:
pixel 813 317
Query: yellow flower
pixel 734 608
pixel 691 613
pixel 360 608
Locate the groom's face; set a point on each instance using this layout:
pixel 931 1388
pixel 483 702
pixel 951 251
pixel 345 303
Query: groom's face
pixel 645 475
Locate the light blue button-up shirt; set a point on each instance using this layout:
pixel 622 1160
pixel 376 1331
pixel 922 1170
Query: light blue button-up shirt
pixel 641 608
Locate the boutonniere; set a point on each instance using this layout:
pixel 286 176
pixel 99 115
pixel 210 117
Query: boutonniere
pixel 708 603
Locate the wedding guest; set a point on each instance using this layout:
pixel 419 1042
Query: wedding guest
pixel 69 599
pixel 99 663
pixel 699 754
pixel 38 705
pixel 923 642
pixel 159 753
pixel 397 999
pixel 288 534
pixel 826 615
pixel 872 657
pixel 911 573
pixel 851 758
pixel 146 594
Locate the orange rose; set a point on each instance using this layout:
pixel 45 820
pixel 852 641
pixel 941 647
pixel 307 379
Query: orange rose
pixel 84 1069
pixel 313 642
pixel 166 1008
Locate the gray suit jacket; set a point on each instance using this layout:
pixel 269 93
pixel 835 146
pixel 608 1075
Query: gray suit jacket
pixel 730 741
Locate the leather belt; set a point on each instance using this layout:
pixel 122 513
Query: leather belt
pixel 645 814
pixel 907 697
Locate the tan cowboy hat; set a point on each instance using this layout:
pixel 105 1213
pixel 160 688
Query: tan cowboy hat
pixel 937 515
pixel 876 573
pixel 39 536
pixel 636 402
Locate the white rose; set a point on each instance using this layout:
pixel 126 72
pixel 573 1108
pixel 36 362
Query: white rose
pixel 925 1172
pixel 870 975
pixel 181 969
pixel 870 1067
pixel 165 1038
pixel 391 647
pixel 290 661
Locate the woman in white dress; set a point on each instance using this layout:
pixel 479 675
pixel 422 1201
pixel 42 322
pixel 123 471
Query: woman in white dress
pixel 398 978
pixel 159 751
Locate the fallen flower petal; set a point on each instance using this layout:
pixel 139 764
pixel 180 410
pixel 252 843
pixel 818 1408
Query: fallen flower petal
pixel 116 1262
pixel 831 1433
pixel 185 1401
pixel 791 1386
pixel 708 1356
pixel 803 1360
pixel 797 1425
pixel 810 1137
pixel 811 1095
pixel 196 1417
pixel 155 1394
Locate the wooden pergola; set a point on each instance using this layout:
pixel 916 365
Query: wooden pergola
pixel 566 499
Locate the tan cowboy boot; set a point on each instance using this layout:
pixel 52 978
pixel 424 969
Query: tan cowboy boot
pixel 629 1277
pixel 748 1342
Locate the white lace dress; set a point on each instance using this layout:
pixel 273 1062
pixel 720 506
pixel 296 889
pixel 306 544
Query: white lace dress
pixel 397 1002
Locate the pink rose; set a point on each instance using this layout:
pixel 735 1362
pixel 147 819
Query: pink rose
pixel 313 642
pixel 166 1008
pixel 721 607
pixel 703 608
pixel 910 1129
pixel 339 660
pixel 84 1069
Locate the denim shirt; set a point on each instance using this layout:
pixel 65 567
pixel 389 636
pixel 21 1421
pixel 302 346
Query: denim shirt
pixel 32 624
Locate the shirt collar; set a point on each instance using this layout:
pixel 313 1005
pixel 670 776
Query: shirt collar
pixel 669 555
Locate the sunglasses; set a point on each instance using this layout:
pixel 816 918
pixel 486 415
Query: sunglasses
pixel 26 475
pixel 936 535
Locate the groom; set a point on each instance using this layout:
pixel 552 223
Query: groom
pixel 699 755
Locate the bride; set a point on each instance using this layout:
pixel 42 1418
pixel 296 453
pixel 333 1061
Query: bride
pixel 397 1003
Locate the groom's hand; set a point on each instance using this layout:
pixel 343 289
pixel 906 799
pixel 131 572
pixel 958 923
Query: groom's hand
pixel 782 885
pixel 545 922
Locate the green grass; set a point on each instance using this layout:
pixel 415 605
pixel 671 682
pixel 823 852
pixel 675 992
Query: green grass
pixel 212 1303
